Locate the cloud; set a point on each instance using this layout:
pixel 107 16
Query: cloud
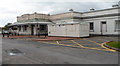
pixel 9 9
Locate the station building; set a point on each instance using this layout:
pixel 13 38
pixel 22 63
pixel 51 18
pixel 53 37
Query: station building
pixel 71 24
pixel 31 24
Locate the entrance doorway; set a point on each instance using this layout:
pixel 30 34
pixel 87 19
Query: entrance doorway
pixel 43 29
pixel 32 29
pixel 103 28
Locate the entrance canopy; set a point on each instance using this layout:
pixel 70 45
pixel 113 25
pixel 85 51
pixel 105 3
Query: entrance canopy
pixel 25 23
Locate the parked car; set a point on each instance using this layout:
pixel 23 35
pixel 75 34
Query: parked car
pixel 5 32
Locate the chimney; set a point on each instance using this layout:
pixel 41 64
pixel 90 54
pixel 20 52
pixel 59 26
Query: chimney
pixel 115 5
pixel 71 10
pixel 92 9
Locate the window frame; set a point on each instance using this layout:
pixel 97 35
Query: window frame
pixel 43 27
pixel 25 28
pixel 116 29
pixel 91 30
pixel 19 28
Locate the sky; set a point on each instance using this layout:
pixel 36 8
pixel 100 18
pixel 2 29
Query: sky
pixel 10 9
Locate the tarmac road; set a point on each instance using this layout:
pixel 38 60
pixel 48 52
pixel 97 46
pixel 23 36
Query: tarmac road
pixel 40 53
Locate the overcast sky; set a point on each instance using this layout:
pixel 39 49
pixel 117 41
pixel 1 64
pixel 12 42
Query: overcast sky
pixel 10 9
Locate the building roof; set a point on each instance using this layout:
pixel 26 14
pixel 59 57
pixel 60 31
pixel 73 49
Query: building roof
pixel 87 11
pixel 71 16
pixel 66 13
pixel 26 23
pixel 102 10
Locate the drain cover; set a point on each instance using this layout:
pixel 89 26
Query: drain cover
pixel 13 52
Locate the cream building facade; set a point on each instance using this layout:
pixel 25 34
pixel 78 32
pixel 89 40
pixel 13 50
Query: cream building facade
pixel 71 24
pixel 31 24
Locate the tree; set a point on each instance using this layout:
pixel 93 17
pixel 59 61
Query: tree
pixel 6 27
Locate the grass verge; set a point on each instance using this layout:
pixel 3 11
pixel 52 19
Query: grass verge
pixel 114 44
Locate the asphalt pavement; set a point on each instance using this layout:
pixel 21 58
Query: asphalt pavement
pixel 32 52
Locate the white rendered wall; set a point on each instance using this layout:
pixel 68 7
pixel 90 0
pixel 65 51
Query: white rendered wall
pixel 110 24
pixel 56 30
pixel 84 30
pixel 69 30
pixel 72 30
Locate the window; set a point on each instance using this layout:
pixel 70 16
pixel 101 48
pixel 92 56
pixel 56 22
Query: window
pixel 43 27
pixel 25 28
pixel 19 28
pixel 104 22
pixel 91 26
pixel 117 25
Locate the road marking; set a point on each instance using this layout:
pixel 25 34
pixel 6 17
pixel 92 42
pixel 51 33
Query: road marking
pixel 100 45
pixel 92 41
pixel 88 47
pixel 79 45
pixel 107 48
pixel 47 42
pixel 57 42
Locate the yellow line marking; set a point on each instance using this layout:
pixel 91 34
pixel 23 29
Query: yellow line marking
pixel 101 45
pixel 57 42
pixel 77 44
pixel 65 45
pixel 87 47
pixel 92 41
pixel 48 42
pixel 107 48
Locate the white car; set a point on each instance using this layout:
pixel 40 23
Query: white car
pixel 5 32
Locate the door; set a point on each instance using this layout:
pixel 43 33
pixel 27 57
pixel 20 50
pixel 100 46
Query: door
pixel 43 29
pixel 32 29
pixel 103 28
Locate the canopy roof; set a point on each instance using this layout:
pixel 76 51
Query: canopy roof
pixel 26 23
